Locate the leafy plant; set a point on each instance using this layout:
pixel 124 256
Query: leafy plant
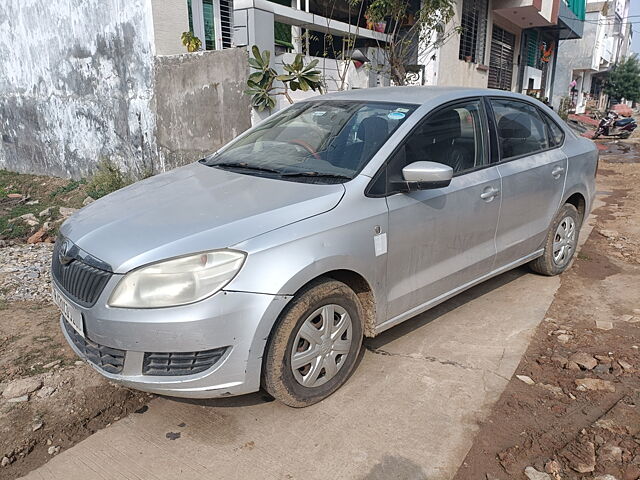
pixel 300 76
pixel 261 83
pixel 565 106
pixel 108 178
pixel 190 41
pixel 69 187
pixel 624 80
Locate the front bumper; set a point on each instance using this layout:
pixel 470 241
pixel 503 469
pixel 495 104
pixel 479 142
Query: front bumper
pixel 239 321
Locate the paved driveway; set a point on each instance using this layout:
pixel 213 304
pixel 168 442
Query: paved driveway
pixel 410 411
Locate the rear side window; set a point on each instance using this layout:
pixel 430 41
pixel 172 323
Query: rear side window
pixel 556 135
pixel 521 130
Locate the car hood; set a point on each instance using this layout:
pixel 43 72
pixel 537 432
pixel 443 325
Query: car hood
pixel 191 209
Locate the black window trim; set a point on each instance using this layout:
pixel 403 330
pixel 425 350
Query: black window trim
pixel 497 159
pixel 547 118
pixel 486 145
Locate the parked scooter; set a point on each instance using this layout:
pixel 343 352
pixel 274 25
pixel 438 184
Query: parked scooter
pixel 613 126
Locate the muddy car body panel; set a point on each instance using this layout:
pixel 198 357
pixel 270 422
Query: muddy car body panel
pixel 402 252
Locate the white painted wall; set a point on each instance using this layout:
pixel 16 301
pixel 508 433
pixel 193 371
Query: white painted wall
pixel 170 19
pixel 76 83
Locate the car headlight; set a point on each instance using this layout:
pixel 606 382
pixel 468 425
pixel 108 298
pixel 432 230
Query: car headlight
pixel 177 281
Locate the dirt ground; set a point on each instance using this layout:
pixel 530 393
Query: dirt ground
pixel 72 401
pixel 574 412
pixel 67 399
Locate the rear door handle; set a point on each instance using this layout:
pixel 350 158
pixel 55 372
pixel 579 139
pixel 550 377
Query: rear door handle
pixel 556 172
pixel 489 194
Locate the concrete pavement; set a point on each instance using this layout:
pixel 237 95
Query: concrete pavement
pixel 410 411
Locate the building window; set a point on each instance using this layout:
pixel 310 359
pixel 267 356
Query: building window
pixel 474 30
pixel 211 22
pixel 501 59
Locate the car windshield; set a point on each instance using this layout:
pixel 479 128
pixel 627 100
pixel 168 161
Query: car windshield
pixel 318 141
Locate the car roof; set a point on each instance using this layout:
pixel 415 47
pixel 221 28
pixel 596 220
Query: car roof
pixel 414 95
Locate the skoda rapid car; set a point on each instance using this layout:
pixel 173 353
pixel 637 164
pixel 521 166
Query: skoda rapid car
pixel 265 263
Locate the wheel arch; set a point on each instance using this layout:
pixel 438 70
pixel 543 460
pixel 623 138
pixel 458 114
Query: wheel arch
pixel 351 277
pixel 363 291
pixel 578 200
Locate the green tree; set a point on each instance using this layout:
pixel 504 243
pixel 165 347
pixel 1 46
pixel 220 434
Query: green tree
pixel 412 33
pixel 624 80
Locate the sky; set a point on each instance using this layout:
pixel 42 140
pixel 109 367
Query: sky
pixel 634 9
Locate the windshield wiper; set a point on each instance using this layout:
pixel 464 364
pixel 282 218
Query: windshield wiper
pixel 245 166
pixel 315 174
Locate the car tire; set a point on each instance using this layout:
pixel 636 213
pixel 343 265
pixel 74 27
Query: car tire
pixel 303 333
pixel 560 243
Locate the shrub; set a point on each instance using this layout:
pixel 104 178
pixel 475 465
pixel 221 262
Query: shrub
pixel 108 178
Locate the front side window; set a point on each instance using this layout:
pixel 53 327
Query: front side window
pixel 521 130
pixel 320 142
pixel 452 136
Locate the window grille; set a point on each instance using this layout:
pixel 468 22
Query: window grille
pixel 533 49
pixel 226 22
pixel 212 22
pixel 474 30
pixel 501 59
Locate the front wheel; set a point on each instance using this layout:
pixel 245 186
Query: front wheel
pixel 314 346
pixel 561 242
pixel 596 134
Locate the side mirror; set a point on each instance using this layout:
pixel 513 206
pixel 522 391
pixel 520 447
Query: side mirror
pixel 427 175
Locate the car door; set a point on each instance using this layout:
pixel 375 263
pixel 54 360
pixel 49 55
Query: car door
pixel 532 167
pixel 439 240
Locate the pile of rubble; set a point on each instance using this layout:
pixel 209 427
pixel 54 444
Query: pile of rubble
pixel 44 224
pixel 25 272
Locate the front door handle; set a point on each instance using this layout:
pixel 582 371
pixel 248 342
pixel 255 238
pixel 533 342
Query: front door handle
pixel 489 194
pixel 556 172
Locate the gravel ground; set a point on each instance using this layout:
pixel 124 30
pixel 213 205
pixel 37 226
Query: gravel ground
pixel 24 272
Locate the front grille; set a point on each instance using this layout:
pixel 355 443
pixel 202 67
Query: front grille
pixel 108 359
pixel 181 363
pixel 80 281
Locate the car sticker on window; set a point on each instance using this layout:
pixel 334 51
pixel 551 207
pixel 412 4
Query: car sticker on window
pixel 396 115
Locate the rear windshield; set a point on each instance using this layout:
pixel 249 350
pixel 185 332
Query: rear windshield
pixel 320 141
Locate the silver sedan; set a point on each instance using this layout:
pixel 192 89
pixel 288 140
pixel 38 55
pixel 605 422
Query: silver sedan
pixel 265 263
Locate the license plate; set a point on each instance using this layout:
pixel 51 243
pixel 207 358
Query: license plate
pixel 70 313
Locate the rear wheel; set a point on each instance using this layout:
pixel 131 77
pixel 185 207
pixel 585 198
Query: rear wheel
pixel 561 242
pixel 314 346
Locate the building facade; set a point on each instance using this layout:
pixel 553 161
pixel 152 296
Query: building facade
pixel 505 44
pixel 584 63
